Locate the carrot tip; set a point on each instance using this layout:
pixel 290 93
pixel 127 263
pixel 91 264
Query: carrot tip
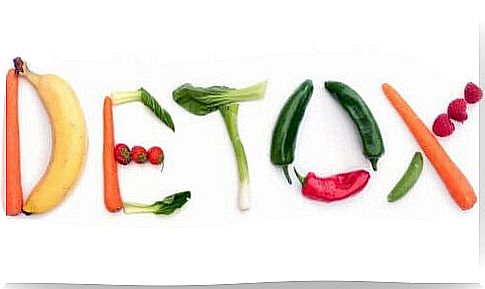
pixel 386 86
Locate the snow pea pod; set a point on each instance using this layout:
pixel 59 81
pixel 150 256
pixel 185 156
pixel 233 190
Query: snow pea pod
pixel 285 133
pixel 360 113
pixel 409 179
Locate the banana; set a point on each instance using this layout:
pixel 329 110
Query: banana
pixel 69 141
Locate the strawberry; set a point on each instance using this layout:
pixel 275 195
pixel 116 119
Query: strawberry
pixel 139 155
pixel 473 93
pixel 443 126
pixel 156 156
pixel 457 110
pixel 122 154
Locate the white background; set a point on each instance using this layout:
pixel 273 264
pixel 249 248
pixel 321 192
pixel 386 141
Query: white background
pixel 427 50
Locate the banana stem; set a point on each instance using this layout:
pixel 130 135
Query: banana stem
pixel 22 70
pixel 18 65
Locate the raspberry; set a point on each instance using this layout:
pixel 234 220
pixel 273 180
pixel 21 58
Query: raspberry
pixel 443 126
pixel 457 110
pixel 473 93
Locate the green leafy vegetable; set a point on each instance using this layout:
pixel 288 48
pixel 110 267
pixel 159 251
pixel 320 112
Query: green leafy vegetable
pixel 166 207
pixel 202 101
pixel 148 100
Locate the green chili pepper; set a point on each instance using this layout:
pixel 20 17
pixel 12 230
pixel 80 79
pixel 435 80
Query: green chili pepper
pixel 286 130
pixel 360 113
pixel 408 180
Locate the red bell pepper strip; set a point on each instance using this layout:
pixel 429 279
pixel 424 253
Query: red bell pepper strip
pixel 333 188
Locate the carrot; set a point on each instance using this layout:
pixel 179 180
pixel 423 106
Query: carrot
pixel 112 196
pixel 455 181
pixel 13 186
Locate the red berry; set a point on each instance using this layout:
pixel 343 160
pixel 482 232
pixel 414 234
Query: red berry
pixel 122 154
pixel 443 126
pixel 155 156
pixel 457 110
pixel 139 155
pixel 473 93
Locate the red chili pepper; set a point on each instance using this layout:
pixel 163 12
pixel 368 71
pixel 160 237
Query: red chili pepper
pixel 334 188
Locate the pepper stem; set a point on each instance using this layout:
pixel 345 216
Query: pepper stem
pixel 374 161
pixel 301 178
pixel 287 174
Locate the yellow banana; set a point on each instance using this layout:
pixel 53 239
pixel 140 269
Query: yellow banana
pixel 69 141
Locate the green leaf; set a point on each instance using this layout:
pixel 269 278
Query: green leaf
pixel 172 203
pixel 150 102
pixel 234 96
pixel 194 99
pixel 165 207
pixel 203 101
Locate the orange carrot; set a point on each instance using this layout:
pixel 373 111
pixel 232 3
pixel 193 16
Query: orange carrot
pixel 112 196
pixel 457 184
pixel 13 186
